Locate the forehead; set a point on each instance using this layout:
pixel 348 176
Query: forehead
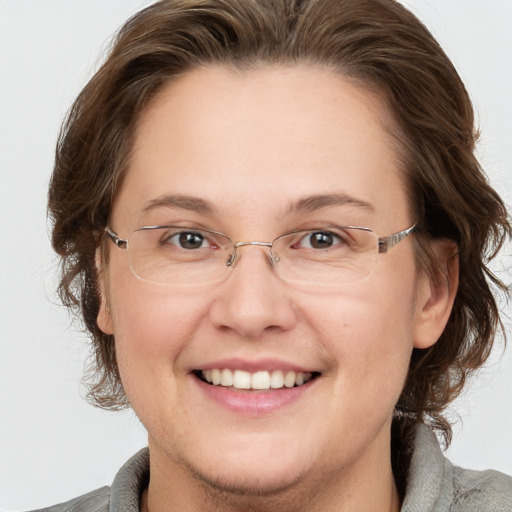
pixel 261 140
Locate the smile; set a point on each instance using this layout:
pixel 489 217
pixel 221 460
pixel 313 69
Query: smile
pixel 260 380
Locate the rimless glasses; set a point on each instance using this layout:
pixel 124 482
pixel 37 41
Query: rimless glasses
pixel 178 255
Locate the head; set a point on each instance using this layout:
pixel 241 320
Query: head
pixel 378 49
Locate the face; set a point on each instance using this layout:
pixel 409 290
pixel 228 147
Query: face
pixel 244 150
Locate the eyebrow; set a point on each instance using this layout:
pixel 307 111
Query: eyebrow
pixel 192 203
pixel 302 206
pixel 317 202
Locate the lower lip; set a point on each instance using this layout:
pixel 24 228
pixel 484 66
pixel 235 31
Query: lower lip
pixel 254 403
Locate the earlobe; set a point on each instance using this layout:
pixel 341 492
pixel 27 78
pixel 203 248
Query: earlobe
pixel 104 319
pixel 436 295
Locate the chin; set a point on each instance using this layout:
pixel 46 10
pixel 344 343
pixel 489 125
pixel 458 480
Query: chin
pixel 247 465
pixel 249 481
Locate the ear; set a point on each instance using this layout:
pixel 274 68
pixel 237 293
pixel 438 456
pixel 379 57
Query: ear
pixel 436 295
pixel 104 319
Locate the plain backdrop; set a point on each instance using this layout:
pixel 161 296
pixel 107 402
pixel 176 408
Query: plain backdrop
pixel 54 446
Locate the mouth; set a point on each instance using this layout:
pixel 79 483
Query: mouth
pixel 260 380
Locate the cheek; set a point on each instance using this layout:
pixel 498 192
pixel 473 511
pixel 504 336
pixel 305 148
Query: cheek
pixel 153 328
pixel 153 333
pixel 368 332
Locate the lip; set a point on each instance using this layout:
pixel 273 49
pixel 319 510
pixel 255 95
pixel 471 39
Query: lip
pixel 253 403
pixel 254 366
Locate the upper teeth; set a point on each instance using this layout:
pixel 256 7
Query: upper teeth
pixel 241 379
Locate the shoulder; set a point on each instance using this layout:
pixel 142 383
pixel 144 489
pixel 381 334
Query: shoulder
pixel 435 485
pixel 95 501
pixel 122 496
pixel 481 490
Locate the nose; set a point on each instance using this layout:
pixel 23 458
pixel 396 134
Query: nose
pixel 253 300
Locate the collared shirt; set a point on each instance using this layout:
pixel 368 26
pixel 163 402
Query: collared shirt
pixel 433 485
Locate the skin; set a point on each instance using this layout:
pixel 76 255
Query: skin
pixel 251 144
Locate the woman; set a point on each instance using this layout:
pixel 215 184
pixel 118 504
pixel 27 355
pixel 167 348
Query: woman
pixel 273 221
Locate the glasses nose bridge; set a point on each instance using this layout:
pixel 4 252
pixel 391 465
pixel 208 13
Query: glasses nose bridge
pixel 234 256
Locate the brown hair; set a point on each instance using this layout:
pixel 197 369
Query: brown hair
pixel 377 43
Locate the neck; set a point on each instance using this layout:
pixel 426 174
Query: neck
pixel 174 487
pixel 262 505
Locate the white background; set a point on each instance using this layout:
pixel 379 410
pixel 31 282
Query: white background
pixel 53 446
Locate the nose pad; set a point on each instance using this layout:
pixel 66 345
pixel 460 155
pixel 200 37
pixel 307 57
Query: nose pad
pixel 274 259
pixel 231 261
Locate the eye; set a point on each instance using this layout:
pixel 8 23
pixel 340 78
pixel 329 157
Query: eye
pixel 186 240
pixel 319 240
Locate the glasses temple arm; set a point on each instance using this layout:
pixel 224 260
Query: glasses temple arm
pixel 119 242
pixel 385 243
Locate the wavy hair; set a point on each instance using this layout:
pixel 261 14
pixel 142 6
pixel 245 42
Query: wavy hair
pixel 379 45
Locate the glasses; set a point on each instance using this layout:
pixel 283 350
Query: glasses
pixel 178 255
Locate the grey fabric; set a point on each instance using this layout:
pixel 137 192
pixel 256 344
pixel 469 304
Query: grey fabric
pixel 433 485
pixel 95 501
pixel 123 496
